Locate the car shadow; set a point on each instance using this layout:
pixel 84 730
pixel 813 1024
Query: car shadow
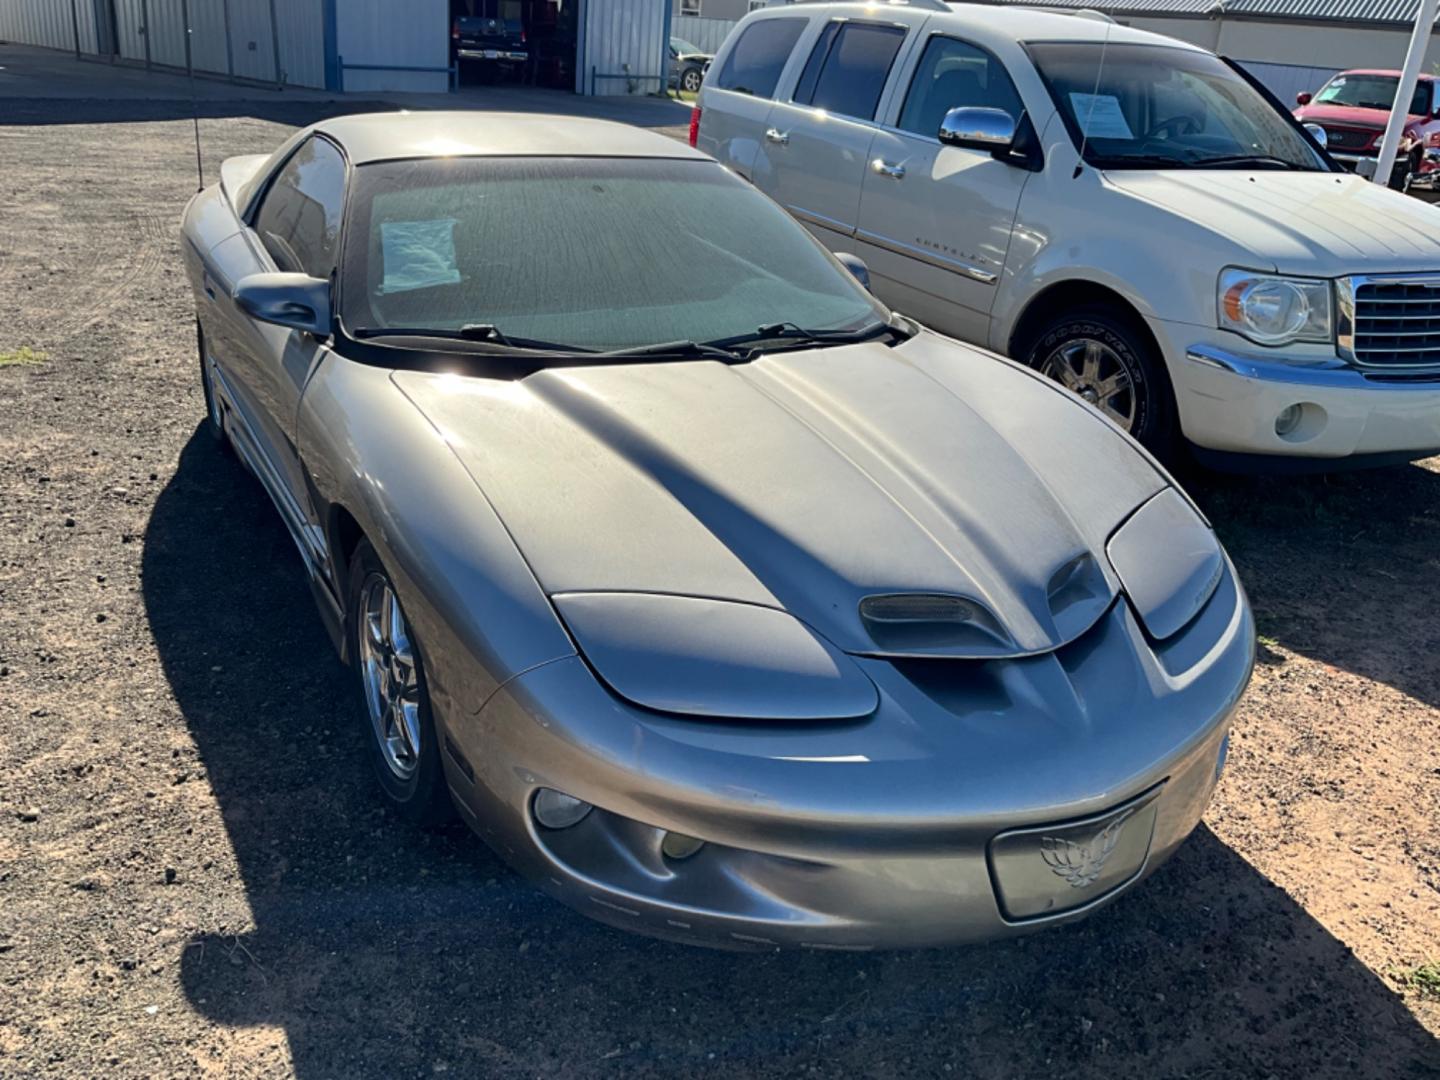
pixel 1341 568
pixel 383 950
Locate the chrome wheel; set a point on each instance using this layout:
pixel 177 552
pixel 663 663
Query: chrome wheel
pixel 1095 372
pixel 392 685
pixel 691 80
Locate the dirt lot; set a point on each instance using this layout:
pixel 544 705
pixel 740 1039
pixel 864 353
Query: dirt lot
pixel 196 876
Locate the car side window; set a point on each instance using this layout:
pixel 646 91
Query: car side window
pixel 848 67
pixel 299 218
pixel 754 64
pixel 951 75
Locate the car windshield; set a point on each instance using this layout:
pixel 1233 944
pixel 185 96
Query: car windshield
pixel 1158 106
pixel 1371 92
pixel 683 47
pixel 594 254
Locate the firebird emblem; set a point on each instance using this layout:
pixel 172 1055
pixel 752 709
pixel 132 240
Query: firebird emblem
pixel 1080 864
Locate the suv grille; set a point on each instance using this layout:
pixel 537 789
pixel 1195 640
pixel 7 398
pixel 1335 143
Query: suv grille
pixel 1391 322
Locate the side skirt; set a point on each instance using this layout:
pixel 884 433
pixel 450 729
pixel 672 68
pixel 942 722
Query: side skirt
pixel 308 539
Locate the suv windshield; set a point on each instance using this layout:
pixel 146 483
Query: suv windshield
pixel 1157 107
pixel 594 254
pixel 1371 92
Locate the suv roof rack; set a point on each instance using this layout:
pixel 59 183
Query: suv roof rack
pixel 1093 15
pixel 927 5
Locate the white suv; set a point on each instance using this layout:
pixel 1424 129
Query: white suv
pixel 1129 214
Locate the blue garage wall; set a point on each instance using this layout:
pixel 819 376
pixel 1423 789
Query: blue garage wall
pixel 624 39
pixel 384 34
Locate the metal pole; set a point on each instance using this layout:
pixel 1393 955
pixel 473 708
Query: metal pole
pixel 189 65
pixel 229 45
pixel 1419 38
pixel 275 46
pixel 145 29
pixel 75 26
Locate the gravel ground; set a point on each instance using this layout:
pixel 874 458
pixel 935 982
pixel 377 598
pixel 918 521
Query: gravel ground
pixel 198 878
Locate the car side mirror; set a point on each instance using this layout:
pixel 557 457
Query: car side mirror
pixel 976 128
pixel 1318 134
pixel 298 301
pixel 856 265
pixel 1303 98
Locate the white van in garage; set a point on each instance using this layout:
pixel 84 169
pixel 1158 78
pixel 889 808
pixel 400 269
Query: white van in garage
pixel 1130 215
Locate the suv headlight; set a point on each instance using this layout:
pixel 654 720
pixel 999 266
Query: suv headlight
pixel 1270 309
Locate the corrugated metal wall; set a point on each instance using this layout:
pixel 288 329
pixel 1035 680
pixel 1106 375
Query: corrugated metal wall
pixel 46 22
pixel 415 34
pixel 624 38
pixel 706 33
pixel 230 37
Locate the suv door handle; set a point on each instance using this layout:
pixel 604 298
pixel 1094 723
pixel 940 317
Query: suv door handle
pixel 883 168
pixel 776 136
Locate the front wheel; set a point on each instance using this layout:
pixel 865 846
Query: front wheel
pixel 690 80
pixel 1103 357
pixel 393 694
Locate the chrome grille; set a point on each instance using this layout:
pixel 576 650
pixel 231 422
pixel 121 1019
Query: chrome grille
pixel 1391 322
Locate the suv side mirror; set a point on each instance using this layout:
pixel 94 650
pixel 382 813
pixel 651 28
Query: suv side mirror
pixel 1318 134
pixel 977 128
pixel 856 265
pixel 1303 98
pixel 298 301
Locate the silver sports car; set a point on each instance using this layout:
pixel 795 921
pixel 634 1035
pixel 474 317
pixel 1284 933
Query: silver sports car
pixel 724 603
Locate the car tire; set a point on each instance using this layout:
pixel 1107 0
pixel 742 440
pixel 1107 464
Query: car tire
pixel 690 80
pixel 402 741
pixel 1091 349
pixel 214 420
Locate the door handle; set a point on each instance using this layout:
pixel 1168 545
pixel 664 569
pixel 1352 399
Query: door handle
pixel 883 168
pixel 781 137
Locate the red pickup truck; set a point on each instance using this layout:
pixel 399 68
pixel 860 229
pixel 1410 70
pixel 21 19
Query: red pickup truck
pixel 1353 108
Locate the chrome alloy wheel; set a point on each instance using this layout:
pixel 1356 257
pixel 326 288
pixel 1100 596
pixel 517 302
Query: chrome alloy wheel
pixel 392 686
pixel 1095 371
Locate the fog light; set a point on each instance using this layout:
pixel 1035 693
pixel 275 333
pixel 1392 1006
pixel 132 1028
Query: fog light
pixel 679 846
pixel 556 810
pixel 1288 420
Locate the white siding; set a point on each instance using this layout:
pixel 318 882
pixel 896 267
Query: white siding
pixel 39 22
pixel 412 34
pixel 706 33
pixel 251 44
pixel 624 37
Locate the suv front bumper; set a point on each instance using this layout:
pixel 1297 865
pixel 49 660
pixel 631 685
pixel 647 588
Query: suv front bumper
pixel 1229 400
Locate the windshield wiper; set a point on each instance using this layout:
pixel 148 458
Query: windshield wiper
pixel 683 349
pixel 1139 161
pixel 794 336
pixel 481 332
pixel 1244 159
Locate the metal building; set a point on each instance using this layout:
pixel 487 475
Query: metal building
pixel 587 46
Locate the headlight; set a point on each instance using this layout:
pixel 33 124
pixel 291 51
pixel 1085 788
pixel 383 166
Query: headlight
pixel 682 654
pixel 1273 310
pixel 1169 562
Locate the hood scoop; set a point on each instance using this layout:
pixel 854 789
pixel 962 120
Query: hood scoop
pixel 907 623
pixel 941 624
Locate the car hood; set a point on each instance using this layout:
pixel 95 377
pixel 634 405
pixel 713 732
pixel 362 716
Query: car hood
pixel 1321 224
pixel 1349 116
pixel 807 481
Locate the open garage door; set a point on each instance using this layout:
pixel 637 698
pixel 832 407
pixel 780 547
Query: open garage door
pixel 515 42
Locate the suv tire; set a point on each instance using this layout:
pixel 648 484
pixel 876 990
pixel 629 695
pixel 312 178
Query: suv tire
pixel 1106 358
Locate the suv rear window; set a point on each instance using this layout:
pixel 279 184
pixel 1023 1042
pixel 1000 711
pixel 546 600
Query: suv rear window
pixel 754 64
pixel 847 69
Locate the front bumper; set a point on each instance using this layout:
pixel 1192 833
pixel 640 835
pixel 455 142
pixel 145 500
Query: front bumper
pixel 915 826
pixel 1229 400
pixel 507 55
